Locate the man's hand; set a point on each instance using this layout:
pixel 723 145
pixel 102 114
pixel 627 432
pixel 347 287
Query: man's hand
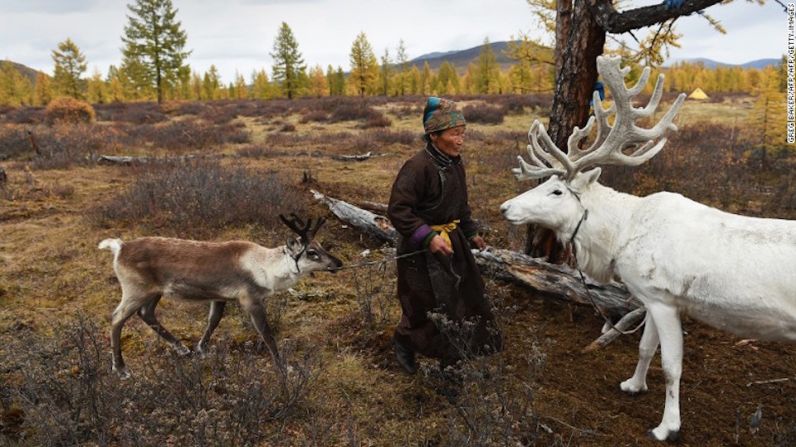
pixel 438 244
pixel 479 243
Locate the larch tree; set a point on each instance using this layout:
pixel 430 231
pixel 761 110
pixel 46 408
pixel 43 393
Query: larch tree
pixel 318 85
pixel 487 70
pixel 155 40
pixel 529 57
pixel 15 89
pixel 385 73
pixel 426 79
pixel 769 112
pixel 364 65
pixel 70 64
pixel 211 84
pixel 288 62
pixel 402 79
pixel 261 86
pixel 96 90
pixel 447 79
pixel 115 84
pixel 42 90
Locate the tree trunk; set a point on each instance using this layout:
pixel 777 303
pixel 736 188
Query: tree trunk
pixel 579 40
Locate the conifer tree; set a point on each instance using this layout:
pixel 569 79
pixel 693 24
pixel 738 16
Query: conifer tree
pixel 211 84
pixel 240 89
pixel 261 87
pixel 15 89
pixel 385 73
pixel 318 84
pixel 154 39
pixel 96 91
pixel 196 86
pixel 447 79
pixel 339 81
pixel 288 62
pixel 424 88
pixel 330 79
pixel 42 90
pixel 415 81
pixel 769 112
pixel 70 64
pixel 402 59
pixel 115 84
pixel 136 80
pixel 487 70
pixel 364 65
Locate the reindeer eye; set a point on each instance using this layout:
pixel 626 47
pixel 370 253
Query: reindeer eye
pixel 557 192
pixel 312 253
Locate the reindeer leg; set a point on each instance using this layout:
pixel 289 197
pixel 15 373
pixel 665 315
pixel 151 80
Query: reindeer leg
pixel 216 312
pixel 127 307
pixel 147 313
pixel 646 351
pixel 667 320
pixel 256 311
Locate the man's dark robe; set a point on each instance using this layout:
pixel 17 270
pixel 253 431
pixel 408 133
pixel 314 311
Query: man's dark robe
pixel 430 190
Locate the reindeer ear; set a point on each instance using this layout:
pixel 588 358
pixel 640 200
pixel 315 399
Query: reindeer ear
pixel 585 179
pixel 294 245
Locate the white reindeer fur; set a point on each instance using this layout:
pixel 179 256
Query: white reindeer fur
pixel 733 272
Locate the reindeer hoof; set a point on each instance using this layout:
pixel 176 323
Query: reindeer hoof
pixel 665 435
pixel 123 373
pixel 631 388
pixel 183 350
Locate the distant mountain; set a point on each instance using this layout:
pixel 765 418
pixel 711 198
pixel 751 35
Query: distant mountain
pixel 24 70
pixel 710 63
pixel 761 63
pixel 461 58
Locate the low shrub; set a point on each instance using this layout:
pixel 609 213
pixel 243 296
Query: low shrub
pixel 63 146
pixel 317 116
pixel 13 142
pixel 62 392
pixel 131 112
pixel 376 119
pixel 188 134
pixel 25 115
pixel 68 110
pixel 484 114
pixel 196 198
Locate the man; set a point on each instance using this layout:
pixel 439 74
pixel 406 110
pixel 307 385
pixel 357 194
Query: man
pixel 429 209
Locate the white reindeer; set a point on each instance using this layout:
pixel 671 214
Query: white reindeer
pixel 733 272
pixel 151 267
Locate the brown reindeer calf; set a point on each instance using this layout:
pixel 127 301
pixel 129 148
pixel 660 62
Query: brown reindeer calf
pixel 149 268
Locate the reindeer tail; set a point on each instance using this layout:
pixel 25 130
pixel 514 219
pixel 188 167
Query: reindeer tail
pixel 114 245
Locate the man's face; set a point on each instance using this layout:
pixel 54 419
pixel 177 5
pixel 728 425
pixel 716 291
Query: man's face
pixel 449 141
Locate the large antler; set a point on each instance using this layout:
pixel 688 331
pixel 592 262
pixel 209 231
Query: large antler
pixel 305 231
pixel 610 142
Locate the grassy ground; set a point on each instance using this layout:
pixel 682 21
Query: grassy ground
pixel 337 328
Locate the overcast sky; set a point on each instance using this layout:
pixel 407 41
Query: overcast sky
pixel 239 34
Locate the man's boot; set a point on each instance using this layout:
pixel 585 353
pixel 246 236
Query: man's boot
pixel 405 356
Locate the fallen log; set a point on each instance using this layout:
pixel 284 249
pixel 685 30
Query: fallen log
pixel 557 281
pixel 365 221
pixel 375 207
pixel 358 157
pixel 122 159
pixel 130 159
pixel 630 320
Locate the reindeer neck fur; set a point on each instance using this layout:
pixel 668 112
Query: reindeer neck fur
pixel 273 268
pixel 599 239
